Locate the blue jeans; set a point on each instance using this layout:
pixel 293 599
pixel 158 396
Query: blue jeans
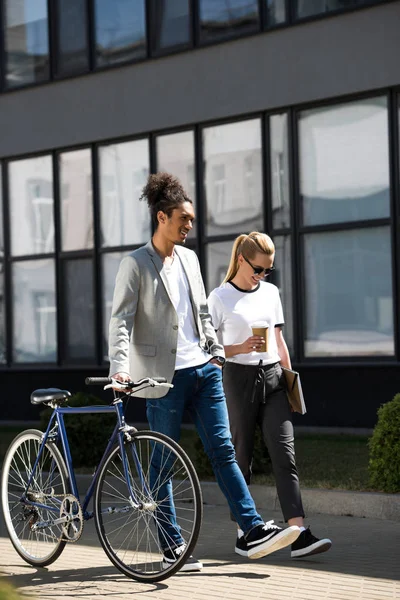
pixel 199 391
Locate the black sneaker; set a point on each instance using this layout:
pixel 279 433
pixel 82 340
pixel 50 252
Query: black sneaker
pixel 307 544
pixel 265 539
pixel 172 554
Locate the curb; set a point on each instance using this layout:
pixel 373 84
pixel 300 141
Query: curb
pixel 374 505
pixel 370 505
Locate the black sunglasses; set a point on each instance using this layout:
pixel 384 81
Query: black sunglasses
pixel 259 270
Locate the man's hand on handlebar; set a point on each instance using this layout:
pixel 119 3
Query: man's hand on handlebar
pixel 123 378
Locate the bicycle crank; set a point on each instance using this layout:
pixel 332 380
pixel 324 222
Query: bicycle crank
pixel 71 518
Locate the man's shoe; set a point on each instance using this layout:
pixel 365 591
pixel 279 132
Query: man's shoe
pixel 265 539
pixel 171 555
pixel 307 544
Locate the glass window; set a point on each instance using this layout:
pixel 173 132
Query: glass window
pixel 171 23
pixel 225 18
pixel 34 311
pixel 124 169
pixel 2 299
pixel 282 278
pixel 275 12
pixel 175 154
pixel 218 257
pixel 309 8
pixel 344 162
pixel 76 199
pixel 110 264
pixel 80 326
pixel 1 216
pixel 26 42
pixel 2 316
pixel 120 31
pixel 279 166
pixel 233 178
pixel 72 36
pixel 349 297
pixel 31 206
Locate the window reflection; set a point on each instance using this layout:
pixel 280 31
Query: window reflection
pixel 344 162
pixel 124 169
pixel 218 257
pixel 26 41
pixel 80 326
pixel 282 278
pixel 279 165
pixel 72 36
pixel 2 298
pixel 34 311
pixel 110 265
pixel 175 154
pixel 2 316
pixel 31 206
pixel 275 12
pixel 76 199
pixel 233 179
pixel 349 296
pixel 120 30
pixel 224 18
pixel 1 217
pixel 308 8
pixel 170 23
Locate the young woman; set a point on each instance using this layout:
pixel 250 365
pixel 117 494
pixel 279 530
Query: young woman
pixel 253 379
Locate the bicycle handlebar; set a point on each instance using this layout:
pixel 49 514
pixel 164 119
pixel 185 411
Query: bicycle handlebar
pixel 129 384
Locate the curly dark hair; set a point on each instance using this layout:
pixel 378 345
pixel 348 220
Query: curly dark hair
pixel 163 191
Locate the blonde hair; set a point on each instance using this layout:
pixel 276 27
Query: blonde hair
pixel 248 246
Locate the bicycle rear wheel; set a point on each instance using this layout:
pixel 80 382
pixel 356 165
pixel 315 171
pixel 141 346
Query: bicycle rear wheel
pixel 135 531
pixel 37 546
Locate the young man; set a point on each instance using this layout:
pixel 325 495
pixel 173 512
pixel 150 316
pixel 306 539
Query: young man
pixel 160 325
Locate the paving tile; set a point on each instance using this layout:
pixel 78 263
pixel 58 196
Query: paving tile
pixel 363 564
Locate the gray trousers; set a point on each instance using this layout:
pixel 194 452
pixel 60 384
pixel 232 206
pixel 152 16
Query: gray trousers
pixel 256 396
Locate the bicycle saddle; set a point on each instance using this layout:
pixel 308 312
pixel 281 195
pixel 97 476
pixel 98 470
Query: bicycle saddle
pixel 49 395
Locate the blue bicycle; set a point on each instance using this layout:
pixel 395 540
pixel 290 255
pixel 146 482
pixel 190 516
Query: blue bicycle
pixel 146 494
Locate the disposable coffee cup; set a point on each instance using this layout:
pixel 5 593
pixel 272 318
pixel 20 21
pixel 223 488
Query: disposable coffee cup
pixel 261 329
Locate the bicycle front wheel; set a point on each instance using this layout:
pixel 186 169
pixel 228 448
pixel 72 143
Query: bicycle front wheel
pixel 159 510
pixel 29 511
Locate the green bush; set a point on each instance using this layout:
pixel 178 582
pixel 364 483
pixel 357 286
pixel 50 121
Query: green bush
pixel 8 592
pixel 384 448
pixel 261 459
pixel 87 434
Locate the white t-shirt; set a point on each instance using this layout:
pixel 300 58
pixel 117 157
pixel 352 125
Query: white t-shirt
pixel 189 352
pixel 233 311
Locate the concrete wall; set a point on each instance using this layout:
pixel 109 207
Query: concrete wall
pixel 321 59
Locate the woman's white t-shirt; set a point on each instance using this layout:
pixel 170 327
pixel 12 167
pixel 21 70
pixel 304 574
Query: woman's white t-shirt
pixel 233 311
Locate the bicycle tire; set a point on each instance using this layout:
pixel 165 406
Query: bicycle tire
pixel 43 546
pixel 131 536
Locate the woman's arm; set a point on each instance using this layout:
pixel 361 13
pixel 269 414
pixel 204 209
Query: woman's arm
pixel 282 348
pixel 249 345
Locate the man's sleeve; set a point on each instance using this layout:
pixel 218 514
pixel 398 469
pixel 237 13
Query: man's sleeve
pixel 212 343
pixel 123 312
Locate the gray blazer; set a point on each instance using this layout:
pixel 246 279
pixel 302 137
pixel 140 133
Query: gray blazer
pixel 143 330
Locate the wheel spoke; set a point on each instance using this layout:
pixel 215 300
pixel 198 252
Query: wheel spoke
pixel 48 479
pixel 166 509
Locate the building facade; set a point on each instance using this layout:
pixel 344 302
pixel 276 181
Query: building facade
pixel 277 115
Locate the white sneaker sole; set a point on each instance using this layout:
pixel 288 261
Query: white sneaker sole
pixel 281 540
pixel 187 568
pixel 317 548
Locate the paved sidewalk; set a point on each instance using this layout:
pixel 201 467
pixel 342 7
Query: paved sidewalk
pixel 364 563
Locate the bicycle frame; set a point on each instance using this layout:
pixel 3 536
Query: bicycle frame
pixel 57 420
